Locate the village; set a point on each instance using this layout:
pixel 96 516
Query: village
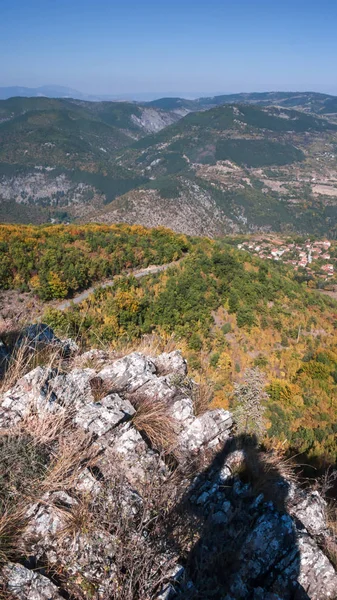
pixel 316 258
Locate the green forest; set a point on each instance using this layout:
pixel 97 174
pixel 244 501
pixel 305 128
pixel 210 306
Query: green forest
pixel 57 261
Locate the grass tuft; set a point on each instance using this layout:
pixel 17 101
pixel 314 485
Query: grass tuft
pixel 153 420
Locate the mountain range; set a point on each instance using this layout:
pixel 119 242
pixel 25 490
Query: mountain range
pixel 233 163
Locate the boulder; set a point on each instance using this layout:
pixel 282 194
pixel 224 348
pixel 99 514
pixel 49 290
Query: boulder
pixel 100 417
pixel 88 556
pixel 135 460
pixel 309 508
pixel 40 335
pixel 171 363
pixel 130 373
pixel 207 430
pixel 137 374
pixel 31 392
pixel 25 584
pixel 73 390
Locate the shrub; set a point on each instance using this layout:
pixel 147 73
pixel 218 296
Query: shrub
pixel 214 359
pixel 195 342
pixel 245 317
pixel 249 397
pixel 226 328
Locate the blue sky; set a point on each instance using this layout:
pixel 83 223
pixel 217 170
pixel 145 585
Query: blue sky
pixel 169 46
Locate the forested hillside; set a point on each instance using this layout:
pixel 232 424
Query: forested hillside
pixel 57 154
pixel 56 261
pixel 229 311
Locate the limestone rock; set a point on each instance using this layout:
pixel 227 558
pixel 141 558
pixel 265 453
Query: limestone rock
pixel 100 417
pixel 132 455
pixel 276 543
pixel 171 362
pixel 310 509
pixel 31 392
pixel 25 584
pixel 207 430
pixel 129 373
pixel 40 335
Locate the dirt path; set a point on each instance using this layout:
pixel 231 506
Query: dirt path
pixel 331 293
pixel 138 274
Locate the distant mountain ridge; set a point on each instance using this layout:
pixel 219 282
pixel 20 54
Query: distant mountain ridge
pixel 309 101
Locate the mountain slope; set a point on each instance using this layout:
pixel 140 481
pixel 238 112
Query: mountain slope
pixel 234 168
pixel 59 153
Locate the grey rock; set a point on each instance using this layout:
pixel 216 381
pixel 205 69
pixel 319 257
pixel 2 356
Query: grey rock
pixel 207 430
pixel 203 498
pixel 136 373
pixel 100 417
pixel 172 576
pixel 24 584
pixel 129 373
pixel 95 359
pixel 171 362
pixel 73 390
pixel 226 506
pixel 220 518
pixel 39 335
pixel 182 411
pixel 134 458
pixel 69 347
pixel 30 393
pixel 316 574
pixel 89 556
pixel 310 509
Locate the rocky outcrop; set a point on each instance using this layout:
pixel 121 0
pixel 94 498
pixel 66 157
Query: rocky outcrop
pixel 40 335
pixel 27 584
pixel 244 543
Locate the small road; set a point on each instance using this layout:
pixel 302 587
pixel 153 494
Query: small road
pixel 138 274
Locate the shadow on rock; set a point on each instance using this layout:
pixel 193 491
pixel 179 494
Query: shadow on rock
pixel 244 543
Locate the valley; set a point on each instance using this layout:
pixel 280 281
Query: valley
pixel 205 167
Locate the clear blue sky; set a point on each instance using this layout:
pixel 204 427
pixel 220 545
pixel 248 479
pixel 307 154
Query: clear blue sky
pixel 191 46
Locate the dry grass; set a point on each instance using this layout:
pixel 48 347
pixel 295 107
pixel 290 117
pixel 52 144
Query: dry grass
pixel 77 520
pixel 23 360
pixel 202 397
pixel 99 388
pixel 12 525
pixel 139 569
pixel 75 452
pixel 154 422
pixel 149 344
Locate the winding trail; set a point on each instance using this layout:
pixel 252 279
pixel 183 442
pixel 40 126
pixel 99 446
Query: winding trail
pixel 138 274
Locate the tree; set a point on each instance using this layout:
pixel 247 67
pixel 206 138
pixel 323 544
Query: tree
pixel 249 397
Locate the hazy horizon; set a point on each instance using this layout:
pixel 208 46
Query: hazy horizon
pixel 148 96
